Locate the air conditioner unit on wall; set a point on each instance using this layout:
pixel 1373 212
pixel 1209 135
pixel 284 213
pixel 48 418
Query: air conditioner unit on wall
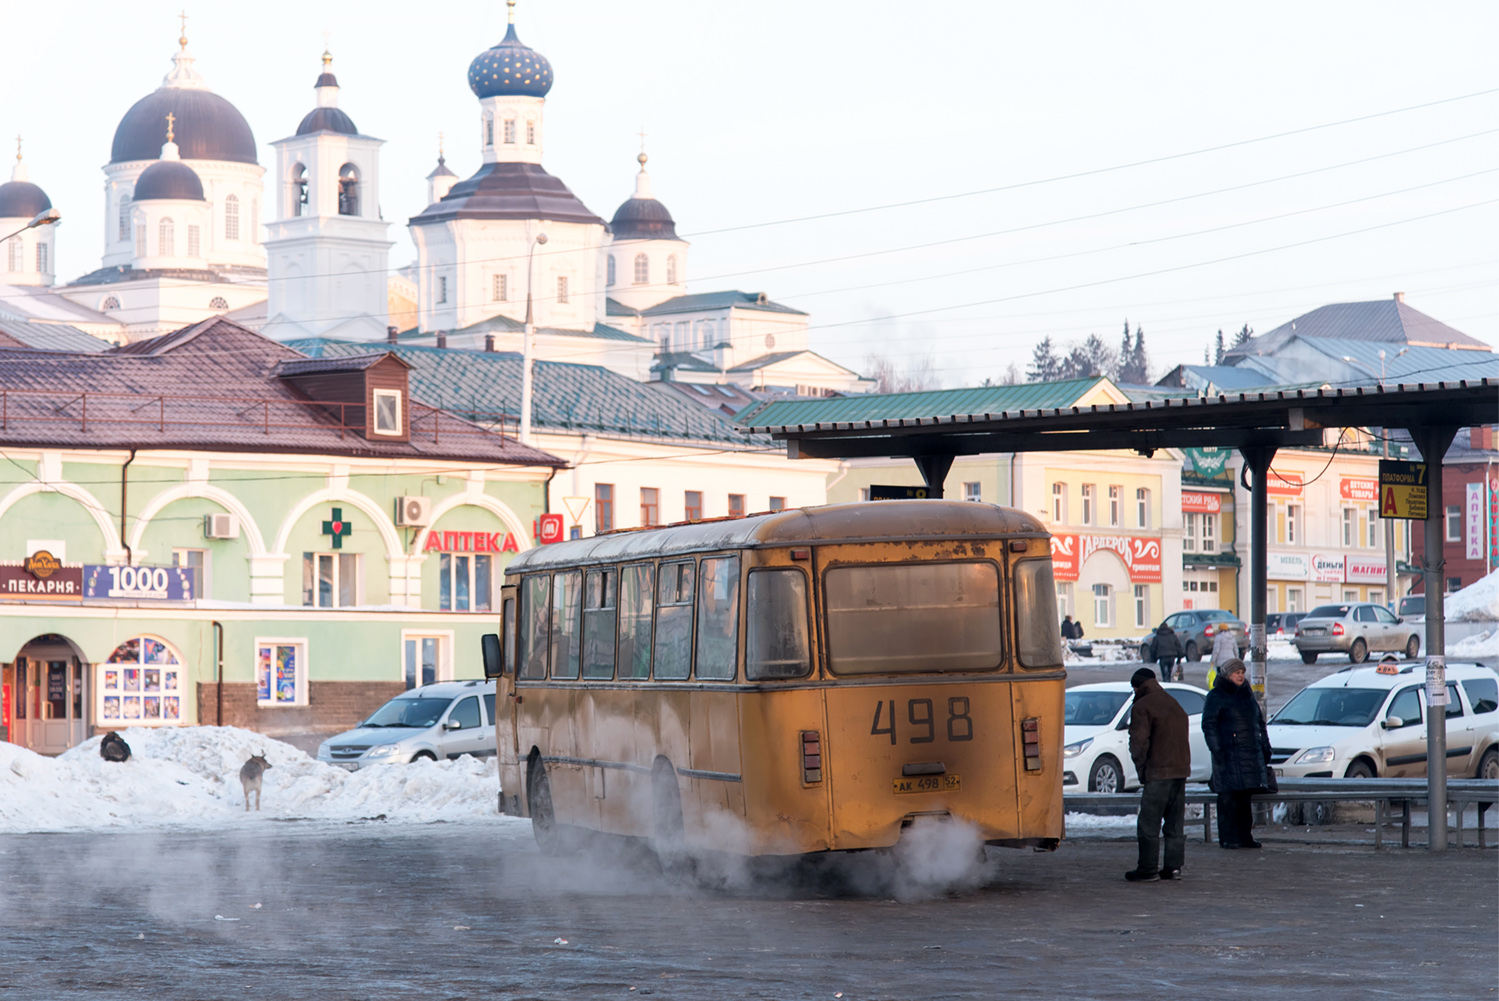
pixel 220 526
pixel 413 512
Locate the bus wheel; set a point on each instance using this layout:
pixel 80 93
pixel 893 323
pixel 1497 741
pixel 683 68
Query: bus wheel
pixel 669 840
pixel 539 802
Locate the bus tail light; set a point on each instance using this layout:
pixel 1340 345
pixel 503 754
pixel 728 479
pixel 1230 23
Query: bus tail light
pixel 1030 734
pixel 811 757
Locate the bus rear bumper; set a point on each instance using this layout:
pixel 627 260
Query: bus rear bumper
pixel 1039 844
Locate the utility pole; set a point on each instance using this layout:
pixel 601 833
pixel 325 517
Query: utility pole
pixel 526 338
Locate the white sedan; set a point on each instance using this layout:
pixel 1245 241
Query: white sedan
pixel 1096 751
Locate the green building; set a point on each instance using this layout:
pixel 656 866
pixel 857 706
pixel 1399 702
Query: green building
pixel 211 527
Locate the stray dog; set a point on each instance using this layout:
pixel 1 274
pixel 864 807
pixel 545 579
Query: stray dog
pixel 114 748
pixel 249 777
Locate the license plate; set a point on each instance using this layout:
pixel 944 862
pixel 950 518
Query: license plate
pixel 1313 632
pixel 348 766
pixel 928 783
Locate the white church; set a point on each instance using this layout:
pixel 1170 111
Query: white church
pixel 191 232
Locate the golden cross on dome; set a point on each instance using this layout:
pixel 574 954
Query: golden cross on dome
pixel 327 57
pixel 511 5
pixel 171 120
pixel 182 41
pixel 642 157
pixel 18 147
pixel 439 145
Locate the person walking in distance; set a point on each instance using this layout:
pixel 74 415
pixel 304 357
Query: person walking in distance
pixel 1167 649
pixel 1162 752
pixel 1234 729
pixel 1071 630
pixel 1225 649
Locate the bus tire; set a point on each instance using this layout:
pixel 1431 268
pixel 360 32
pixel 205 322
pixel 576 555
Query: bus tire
pixel 668 833
pixel 539 804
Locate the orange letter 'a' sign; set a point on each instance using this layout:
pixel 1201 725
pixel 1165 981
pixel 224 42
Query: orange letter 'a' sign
pixel 1388 507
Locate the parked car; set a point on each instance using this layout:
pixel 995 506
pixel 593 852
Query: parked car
pixel 1096 735
pixel 1360 723
pixel 1281 624
pixel 1195 630
pixel 1354 628
pixel 444 720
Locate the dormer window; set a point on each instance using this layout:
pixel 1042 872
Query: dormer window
pixel 561 288
pixel 642 269
pixel 510 131
pixel 671 269
pixel 530 132
pixel 610 279
pixel 166 242
pixel 124 217
pixel 488 131
pixel 231 218
pixel 387 411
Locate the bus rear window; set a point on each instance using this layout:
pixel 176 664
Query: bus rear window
pixel 1038 639
pixel 776 644
pixel 914 617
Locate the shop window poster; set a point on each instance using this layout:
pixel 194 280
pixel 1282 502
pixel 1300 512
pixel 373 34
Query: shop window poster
pixel 132 679
pixel 263 674
pixel 128 652
pixel 132 707
pixel 171 707
pixel 111 707
pixel 151 707
pixel 286 673
pixel 153 680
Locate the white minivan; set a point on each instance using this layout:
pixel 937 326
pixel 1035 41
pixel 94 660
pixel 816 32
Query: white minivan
pixel 445 720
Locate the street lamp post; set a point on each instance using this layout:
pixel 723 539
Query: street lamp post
pixel 525 379
pixel 47 218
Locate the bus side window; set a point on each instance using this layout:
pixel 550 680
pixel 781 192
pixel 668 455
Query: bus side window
pixel 776 638
pixel 718 620
pixel 567 608
pixel 535 618
pixel 599 614
pixel 637 585
pixel 508 634
pixel 674 621
pixel 1037 638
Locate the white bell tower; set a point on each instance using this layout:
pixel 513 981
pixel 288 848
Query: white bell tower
pixel 327 252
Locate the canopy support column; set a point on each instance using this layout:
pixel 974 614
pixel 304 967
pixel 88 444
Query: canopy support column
pixel 934 470
pixel 1257 461
pixel 1433 443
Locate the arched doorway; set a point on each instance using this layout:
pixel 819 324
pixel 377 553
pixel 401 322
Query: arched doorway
pixel 49 696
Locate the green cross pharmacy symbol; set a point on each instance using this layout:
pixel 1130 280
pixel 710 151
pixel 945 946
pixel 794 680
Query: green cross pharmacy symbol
pixel 338 528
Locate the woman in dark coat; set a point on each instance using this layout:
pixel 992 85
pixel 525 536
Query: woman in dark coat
pixel 1167 648
pixel 1234 729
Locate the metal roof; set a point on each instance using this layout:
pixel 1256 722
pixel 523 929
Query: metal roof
pixel 1280 418
pixel 1384 320
pixel 48 336
pixel 869 407
pixel 719 300
pixel 834 523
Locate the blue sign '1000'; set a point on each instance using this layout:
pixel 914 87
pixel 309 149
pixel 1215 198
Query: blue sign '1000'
pixel 152 583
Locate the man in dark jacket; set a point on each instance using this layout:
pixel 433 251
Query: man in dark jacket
pixel 1162 753
pixel 1167 649
pixel 1234 729
pixel 1071 630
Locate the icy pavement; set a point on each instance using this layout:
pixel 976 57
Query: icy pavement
pixel 188 777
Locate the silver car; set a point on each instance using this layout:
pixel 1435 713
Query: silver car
pixel 445 720
pixel 1355 628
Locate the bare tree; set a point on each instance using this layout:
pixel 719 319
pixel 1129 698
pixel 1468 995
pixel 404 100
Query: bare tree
pixel 919 375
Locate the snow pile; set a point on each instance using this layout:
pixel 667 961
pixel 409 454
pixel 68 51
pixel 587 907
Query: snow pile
pixel 189 777
pixel 1281 650
pixel 1478 602
pixel 1480 646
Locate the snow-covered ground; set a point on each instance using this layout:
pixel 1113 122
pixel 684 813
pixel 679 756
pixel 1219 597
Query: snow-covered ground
pixel 189 777
pixel 1478 602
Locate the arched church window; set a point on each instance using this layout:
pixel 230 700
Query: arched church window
pixel 110 302
pixel 298 193
pixel 231 217
pixel 140 239
pixel 194 244
pixel 124 217
pixel 530 132
pixel 16 252
pixel 671 269
pixel 218 302
pixel 609 278
pixel 642 269
pixel 166 239
pixel 41 258
pixel 488 131
pixel 510 131
pixel 348 190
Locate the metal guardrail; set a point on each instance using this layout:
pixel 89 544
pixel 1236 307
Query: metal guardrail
pixel 1383 793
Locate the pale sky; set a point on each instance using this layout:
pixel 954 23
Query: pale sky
pixel 772 111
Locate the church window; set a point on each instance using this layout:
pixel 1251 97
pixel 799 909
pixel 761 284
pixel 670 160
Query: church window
pixel 561 288
pixel 110 303
pixel 530 132
pixel 231 218
pixel 193 243
pixel 642 269
pixel 609 279
pixel 140 238
pixel 510 131
pixel 442 288
pixel 41 258
pixel 255 220
pixel 488 131
pixel 124 217
pixel 671 269
pixel 166 239
pixel 218 302
pixel 17 249
pixel 298 189
pixel 348 190
pixel 501 288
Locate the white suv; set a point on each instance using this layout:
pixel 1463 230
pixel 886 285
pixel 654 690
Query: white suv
pixel 1362 723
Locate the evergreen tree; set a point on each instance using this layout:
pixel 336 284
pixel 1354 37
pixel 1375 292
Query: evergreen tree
pixel 1221 350
pixel 1126 352
pixel 1243 335
pixel 1139 363
pixel 1045 366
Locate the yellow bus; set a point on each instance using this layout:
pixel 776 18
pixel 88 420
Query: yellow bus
pixel 801 681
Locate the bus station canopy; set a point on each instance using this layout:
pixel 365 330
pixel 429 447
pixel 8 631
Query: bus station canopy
pixel 812 429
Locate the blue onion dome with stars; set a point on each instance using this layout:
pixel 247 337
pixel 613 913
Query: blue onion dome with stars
pixel 510 68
